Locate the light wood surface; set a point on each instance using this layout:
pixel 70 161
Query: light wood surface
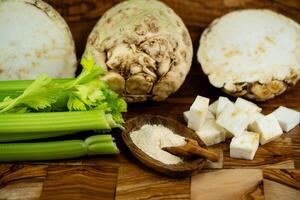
pixel 123 176
pixel 226 184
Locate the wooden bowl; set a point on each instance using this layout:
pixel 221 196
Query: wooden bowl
pixel 180 170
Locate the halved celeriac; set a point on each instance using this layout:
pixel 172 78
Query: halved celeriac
pixel 34 40
pixel 253 53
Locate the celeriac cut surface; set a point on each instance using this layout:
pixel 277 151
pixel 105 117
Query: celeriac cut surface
pixel 251 53
pixel 34 40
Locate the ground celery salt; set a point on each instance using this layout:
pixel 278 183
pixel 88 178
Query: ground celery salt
pixel 151 138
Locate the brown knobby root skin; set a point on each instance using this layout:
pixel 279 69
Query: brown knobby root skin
pixel 144 46
pixel 262 92
pixel 256 60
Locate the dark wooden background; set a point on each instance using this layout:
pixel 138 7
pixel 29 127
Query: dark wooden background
pixel 273 174
pixel 82 15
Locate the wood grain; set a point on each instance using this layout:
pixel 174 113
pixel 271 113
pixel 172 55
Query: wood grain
pixel 80 182
pixel 227 184
pixel 277 191
pixel 219 163
pixel 19 181
pixel 289 178
pixel 137 182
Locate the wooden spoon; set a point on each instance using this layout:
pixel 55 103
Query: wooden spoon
pixel 180 170
pixel 190 149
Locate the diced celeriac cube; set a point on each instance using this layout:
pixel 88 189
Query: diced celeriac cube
pixel 222 102
pixel 254 117
pixel 211 133
pixel 248 106
pixel 198 112
pixel 244 146
pixel 233 119
pixel 186 116
pixel 287 118
pixel 213 107
pixel 209 115
pixel 268 127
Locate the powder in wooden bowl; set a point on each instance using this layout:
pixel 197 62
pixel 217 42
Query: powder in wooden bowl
pixel 152 138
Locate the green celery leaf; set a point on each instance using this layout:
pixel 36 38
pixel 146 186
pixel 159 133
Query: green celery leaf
pixel 90 72
pixel 39 95
pixel 75 104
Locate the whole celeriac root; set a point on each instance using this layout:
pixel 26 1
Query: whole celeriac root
pixel 145 48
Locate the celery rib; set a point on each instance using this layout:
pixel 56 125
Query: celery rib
pixel 94 145
pixel 31 136
pixel 50 122
pixel 21 85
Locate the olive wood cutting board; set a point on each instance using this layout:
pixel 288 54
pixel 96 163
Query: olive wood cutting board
pixel 273 174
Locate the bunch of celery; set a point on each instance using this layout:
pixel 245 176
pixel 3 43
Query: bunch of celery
pixel 50 107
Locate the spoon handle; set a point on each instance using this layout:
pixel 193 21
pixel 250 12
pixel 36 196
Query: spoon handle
pixel 191 148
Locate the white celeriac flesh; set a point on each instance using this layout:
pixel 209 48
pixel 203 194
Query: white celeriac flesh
pixel 287 118
pixel 241 121
pixel 198 112
pixel 34 40
pixel 244 146
pixel 268 127
pixel 222 102
pixel 247 106
pixel 211 133
pixel 213 107
pixel 233 120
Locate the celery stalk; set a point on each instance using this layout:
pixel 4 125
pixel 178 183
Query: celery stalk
pixel 53 121
pixel 31 136
pixel 14 88
pixel 94 145
pixel 21 85
pixel 11 94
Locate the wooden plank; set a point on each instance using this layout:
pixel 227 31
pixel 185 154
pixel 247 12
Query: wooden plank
pixel 296 146
pixel 277 191
pixel 80 182
pixel 228 184
pixel 215 165
pixel 289 178
pixel 135 181
pixel 281 184
pixel 19 181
